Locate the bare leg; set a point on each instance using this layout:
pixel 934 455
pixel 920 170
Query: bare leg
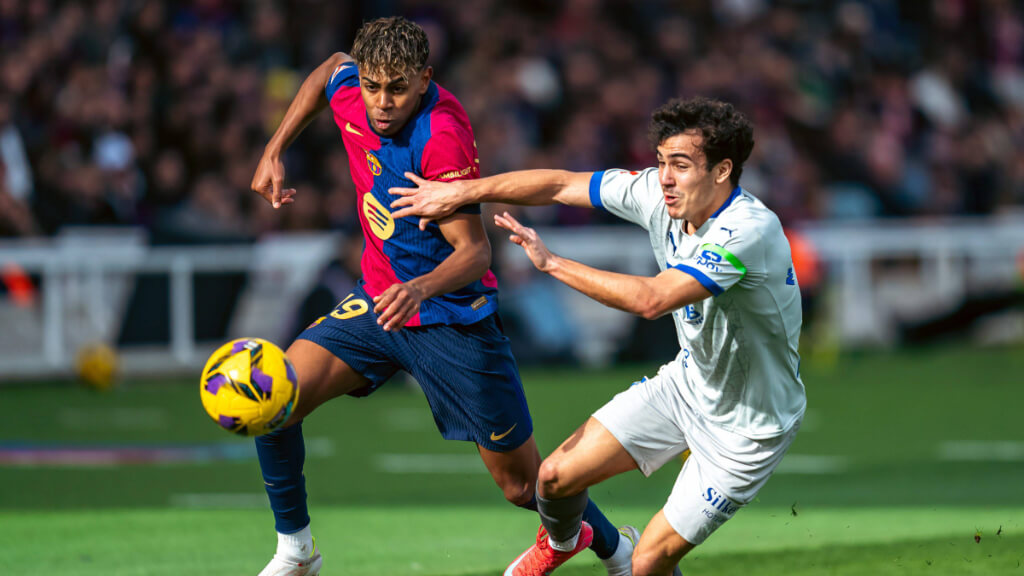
pixel 322 376
pixel 515 472
pixel 587 457
pixel 660 549
pixel 590 456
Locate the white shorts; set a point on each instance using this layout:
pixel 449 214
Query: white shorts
pixel 724 471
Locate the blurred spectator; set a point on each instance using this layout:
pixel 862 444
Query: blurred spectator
pixel 146 112
pixel 808 273
pixel 212 213
pixel 17 172
pixel 15 217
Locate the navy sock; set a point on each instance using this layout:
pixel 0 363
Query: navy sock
pixel 606 535
pixel 282 454
pixel 531 505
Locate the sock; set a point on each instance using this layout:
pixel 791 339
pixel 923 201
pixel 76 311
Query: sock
pixel 282 454
pixel 297 546
pixel 566 546
pixel 606 535
pixel 622 553
pixel 562 519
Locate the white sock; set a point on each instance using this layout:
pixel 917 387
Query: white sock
pixel 623 553
pixel 298 545
pixel 567 546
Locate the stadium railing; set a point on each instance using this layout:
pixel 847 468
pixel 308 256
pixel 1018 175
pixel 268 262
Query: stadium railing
pixel 81 283
pixel 878 278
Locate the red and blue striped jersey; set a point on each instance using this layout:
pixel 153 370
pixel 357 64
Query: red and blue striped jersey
pixel 437 143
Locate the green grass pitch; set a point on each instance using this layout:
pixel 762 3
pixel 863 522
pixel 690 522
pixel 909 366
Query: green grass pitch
pixel 904 458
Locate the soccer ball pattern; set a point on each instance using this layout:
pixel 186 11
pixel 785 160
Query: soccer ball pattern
pixel 249 387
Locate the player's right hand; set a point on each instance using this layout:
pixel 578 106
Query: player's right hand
pixel 528 238
pixel 268 180
pixel 397 305
pixel 430 200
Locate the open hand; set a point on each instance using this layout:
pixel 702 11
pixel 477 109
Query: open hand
pixel 430 200
pixel 528 238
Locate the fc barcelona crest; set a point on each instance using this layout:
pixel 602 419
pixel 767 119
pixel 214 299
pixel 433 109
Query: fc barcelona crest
pixel 373 163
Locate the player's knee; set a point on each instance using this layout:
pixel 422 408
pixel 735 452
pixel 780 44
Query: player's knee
pixel 519 493
pixel 516 488
pixel 553 480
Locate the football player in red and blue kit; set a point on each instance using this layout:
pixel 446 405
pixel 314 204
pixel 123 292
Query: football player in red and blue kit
pixel 427 302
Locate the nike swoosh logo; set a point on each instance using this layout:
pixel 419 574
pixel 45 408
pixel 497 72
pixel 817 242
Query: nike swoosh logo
pixel 496 437
pixel 336 70
pixel 350 128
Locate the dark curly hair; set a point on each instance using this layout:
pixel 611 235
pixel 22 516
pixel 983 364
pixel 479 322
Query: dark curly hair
pixel 391 46
pixel 725 132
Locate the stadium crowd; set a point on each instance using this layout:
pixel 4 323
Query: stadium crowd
pixel 154 113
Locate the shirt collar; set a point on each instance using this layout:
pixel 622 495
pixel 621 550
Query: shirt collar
pixel 735 192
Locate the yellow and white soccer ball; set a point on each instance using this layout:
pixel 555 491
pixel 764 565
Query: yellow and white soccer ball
pixel 96 366
pixel 249 386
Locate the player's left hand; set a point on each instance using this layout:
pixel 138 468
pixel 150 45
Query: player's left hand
pixel 397 305
pixel 528 238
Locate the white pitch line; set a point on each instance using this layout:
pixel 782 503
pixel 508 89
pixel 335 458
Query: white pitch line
pixel 808 464
pixel 215 501
pixel 471 463
pixel 429 464
pixel 318 447
pixel 977 451
pixel 113 419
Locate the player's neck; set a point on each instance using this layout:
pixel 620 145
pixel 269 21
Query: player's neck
pixel 720 197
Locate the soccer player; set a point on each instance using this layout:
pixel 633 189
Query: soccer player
pixel 733 395
pixel 426 303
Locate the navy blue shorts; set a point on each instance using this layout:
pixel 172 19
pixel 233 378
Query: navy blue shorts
pixel 467 372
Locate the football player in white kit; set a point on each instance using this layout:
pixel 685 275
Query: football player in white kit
pixel 733 395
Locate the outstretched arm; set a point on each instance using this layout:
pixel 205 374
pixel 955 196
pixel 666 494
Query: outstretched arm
pixel 641 295
pixel 310 101
pixel 432 199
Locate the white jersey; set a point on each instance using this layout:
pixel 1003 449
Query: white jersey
pixel 738 364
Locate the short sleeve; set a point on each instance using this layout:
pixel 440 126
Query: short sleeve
pixel 630 195
pixel 346 74
pixel 732 253
pixel 451 155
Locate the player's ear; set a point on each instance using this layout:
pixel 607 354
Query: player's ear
pixel 723 170
pixel 425 77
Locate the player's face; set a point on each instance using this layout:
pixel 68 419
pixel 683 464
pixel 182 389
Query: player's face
pixel 691 190
pixel 391 100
